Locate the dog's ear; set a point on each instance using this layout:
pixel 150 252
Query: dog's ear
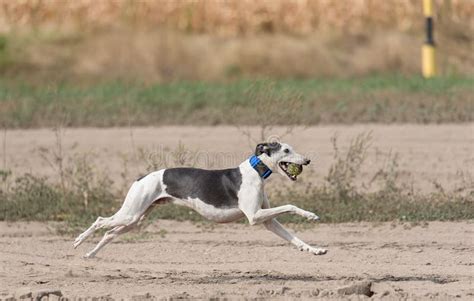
pixel 261 149
pixel 267 148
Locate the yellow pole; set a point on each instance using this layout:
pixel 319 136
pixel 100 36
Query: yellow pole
pixel 428 50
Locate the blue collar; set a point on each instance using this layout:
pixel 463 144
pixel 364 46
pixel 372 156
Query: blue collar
pixel 260 167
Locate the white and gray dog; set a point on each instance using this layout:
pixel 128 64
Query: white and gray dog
pixel 218 195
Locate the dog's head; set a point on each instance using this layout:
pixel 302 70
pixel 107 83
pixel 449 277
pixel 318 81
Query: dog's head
pixel 279 156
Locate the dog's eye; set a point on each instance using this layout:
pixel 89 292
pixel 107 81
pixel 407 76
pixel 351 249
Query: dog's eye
pixel 286 150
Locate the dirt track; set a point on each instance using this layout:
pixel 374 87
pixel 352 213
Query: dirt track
pixel 175 259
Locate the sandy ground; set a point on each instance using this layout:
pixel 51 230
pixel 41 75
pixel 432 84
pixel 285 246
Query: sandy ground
pixel 184 260
pixel 427 153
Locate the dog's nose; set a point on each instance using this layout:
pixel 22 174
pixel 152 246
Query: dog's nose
pixel 307 161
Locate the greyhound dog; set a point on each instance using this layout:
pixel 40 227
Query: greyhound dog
pixel 218 195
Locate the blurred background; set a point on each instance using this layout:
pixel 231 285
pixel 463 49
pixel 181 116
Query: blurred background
pixel 166 40
pixel 161 62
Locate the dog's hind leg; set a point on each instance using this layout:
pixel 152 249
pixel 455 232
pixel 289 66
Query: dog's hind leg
pixel 121 218
pixel 118 219
pixel 109 235
pixel 135 204
pixel 101 222
pixel 141 197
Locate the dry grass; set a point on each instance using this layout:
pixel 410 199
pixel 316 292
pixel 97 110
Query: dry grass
pixel 230 17
pixel 164 56
pixel 219 40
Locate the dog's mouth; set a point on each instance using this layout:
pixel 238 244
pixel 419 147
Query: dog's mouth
pixel 292 170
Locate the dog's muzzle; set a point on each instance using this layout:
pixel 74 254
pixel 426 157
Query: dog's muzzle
pixel 293 170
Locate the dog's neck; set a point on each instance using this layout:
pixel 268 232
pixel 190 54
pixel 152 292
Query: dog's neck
pixel 261 168
pixel 267 161
pixel 258 168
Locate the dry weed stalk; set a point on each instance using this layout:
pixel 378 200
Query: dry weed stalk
pixel 54 157
pixel 346 167
pixel 4 147
pixel 271 108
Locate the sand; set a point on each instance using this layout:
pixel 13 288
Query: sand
pixel 180 259
pixel 183 260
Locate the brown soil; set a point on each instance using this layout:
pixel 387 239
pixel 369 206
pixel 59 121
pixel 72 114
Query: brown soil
pixel 179 259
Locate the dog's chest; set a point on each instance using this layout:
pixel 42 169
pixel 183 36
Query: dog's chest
pixel 251 192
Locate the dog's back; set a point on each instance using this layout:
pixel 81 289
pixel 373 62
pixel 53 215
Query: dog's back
pixel 217 188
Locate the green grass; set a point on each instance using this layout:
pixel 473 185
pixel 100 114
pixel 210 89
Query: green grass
pixel 379 99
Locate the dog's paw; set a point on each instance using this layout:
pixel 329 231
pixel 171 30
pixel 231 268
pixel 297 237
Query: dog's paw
pixel 315 251
pixel 89 256
pixel 311 216
pixel 76 243
pixel 318 251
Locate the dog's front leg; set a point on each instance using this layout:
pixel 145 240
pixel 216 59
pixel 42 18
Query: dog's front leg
pixel 257 215
pixel 274 226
